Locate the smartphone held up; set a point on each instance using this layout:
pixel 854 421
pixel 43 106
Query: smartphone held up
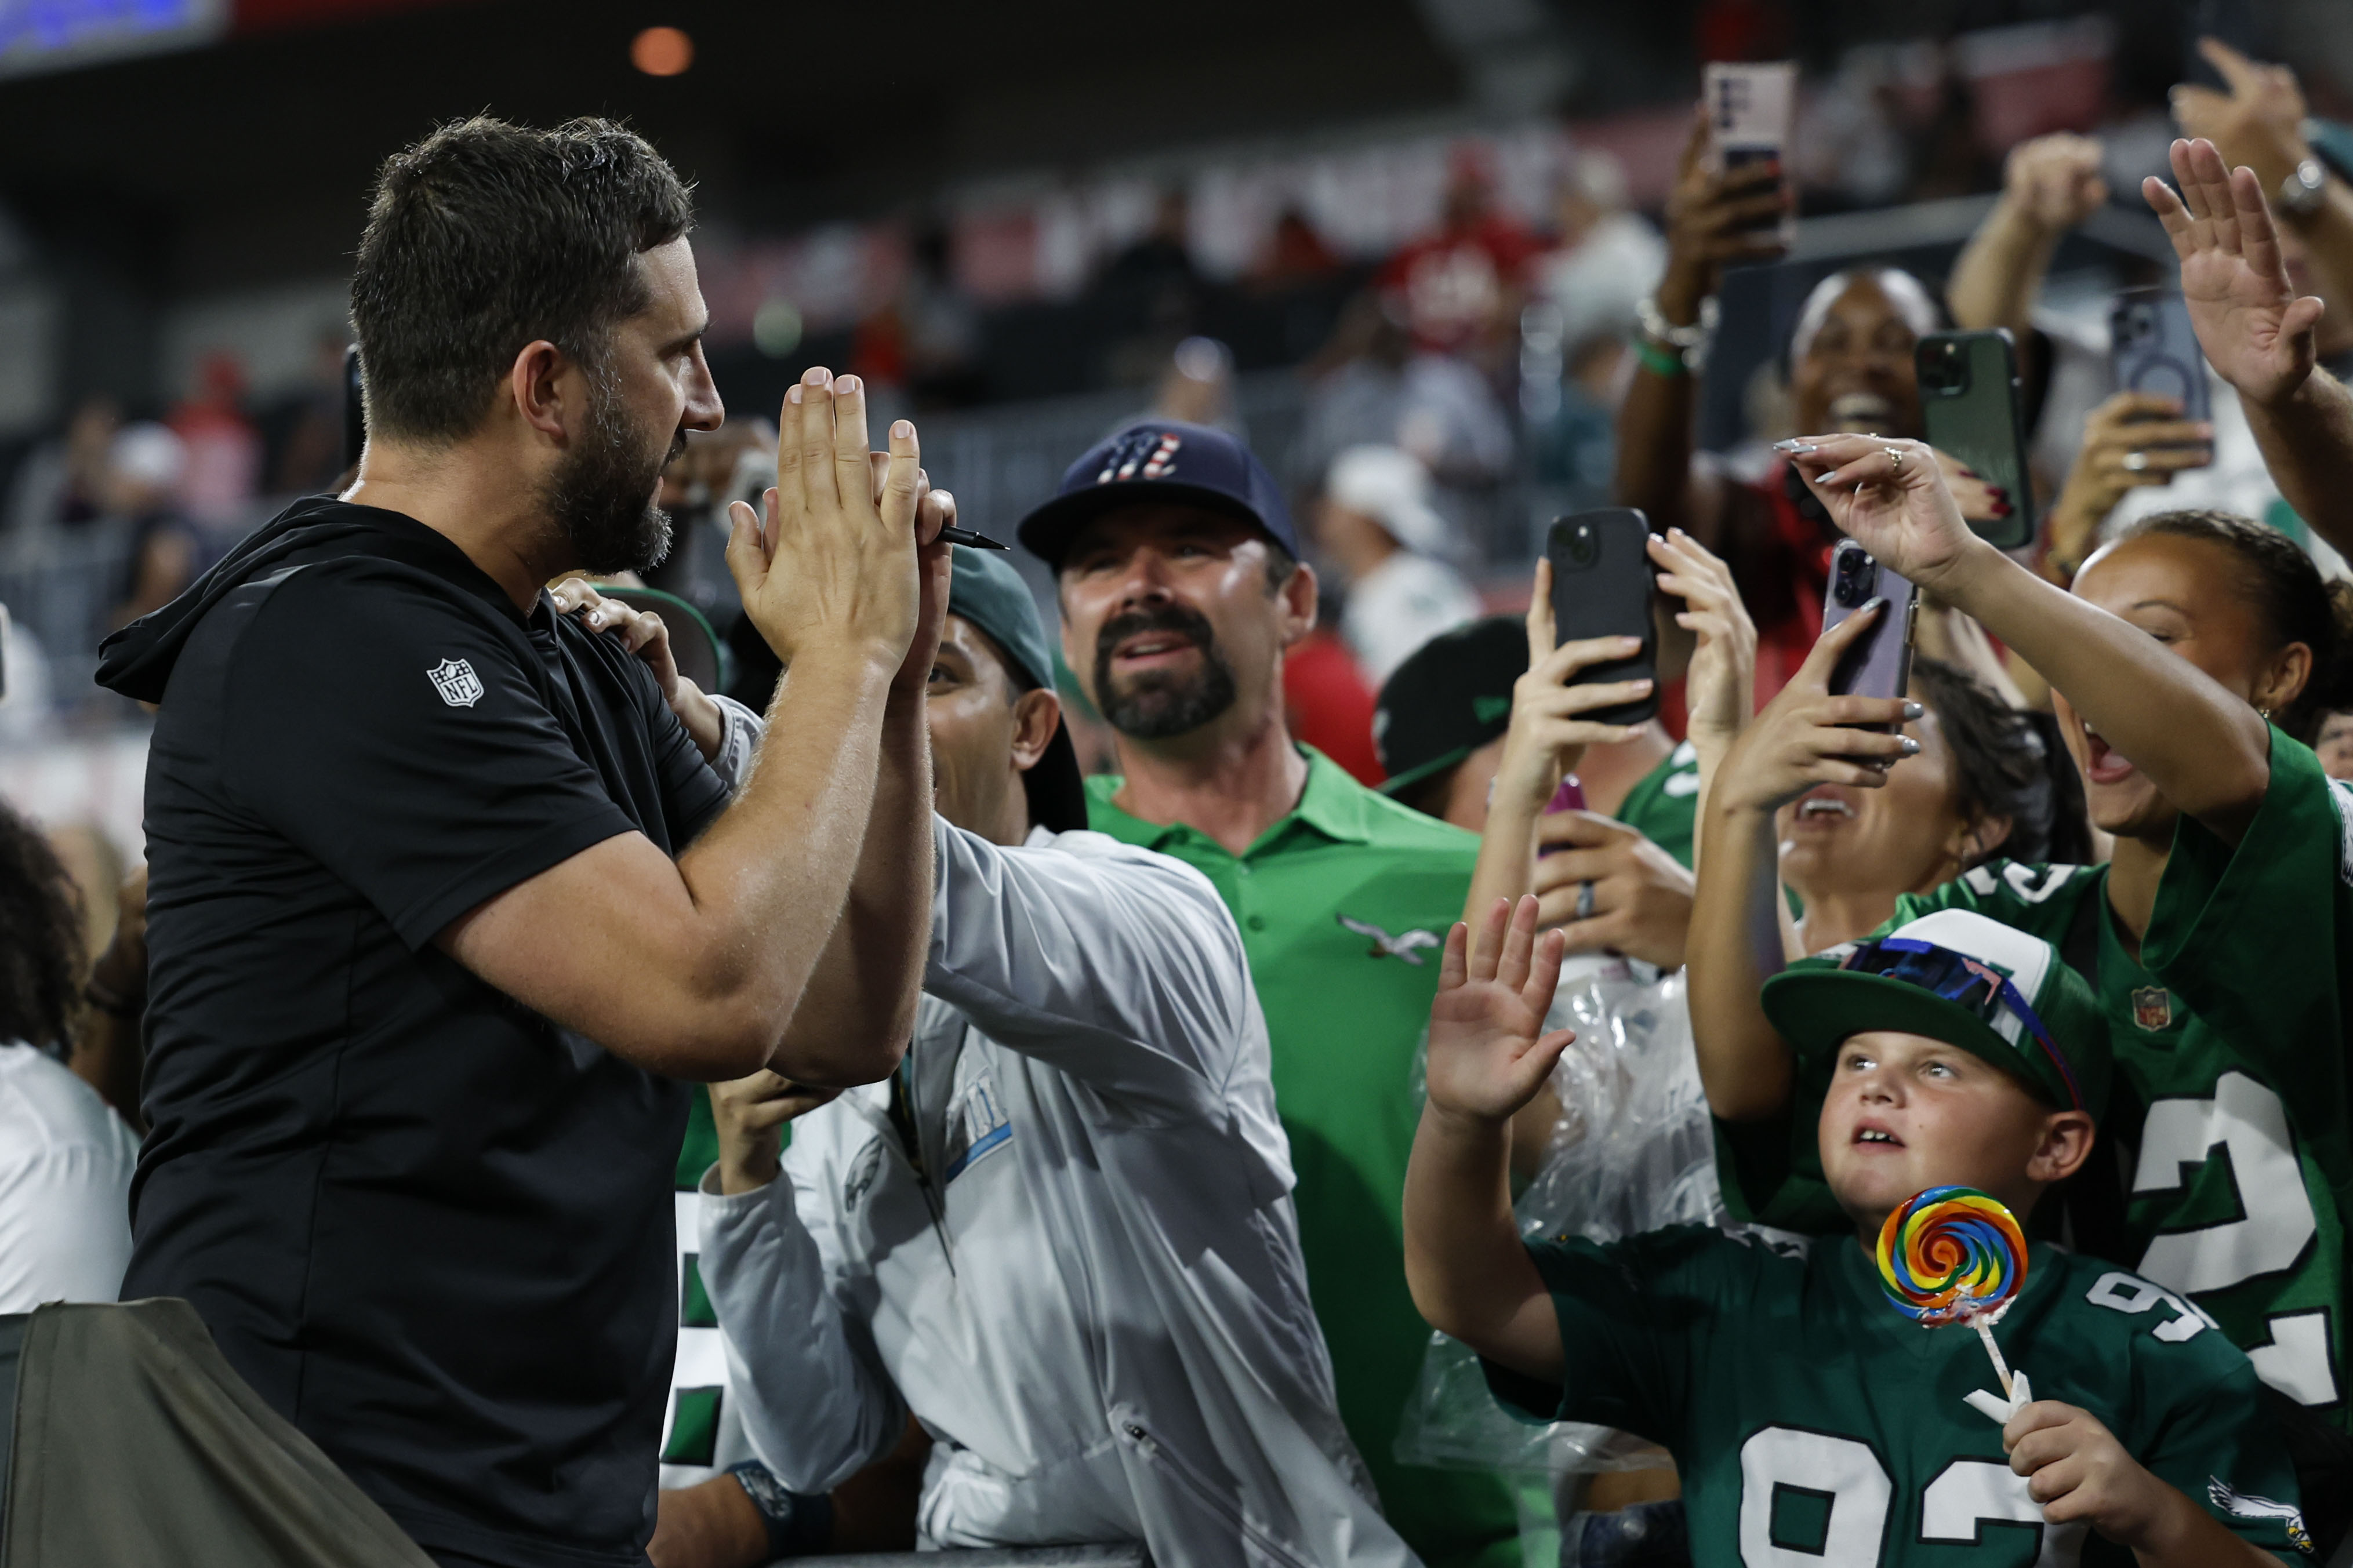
pixel 1971 407
pixel 1603 586
pixel 1749 110
pixel 1879 663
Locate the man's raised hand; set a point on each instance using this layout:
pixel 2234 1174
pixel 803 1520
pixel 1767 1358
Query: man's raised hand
pixel 2256 331
pixel 1488 1051
pixel 833 564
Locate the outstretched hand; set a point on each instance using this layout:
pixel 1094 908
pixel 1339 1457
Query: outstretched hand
pixel 2256 330
pixel 1891 496
pixel 1488 1050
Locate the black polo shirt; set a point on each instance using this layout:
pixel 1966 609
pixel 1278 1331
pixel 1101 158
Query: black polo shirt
pixel 428 1225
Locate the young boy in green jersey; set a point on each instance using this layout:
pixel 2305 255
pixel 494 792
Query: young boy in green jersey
pixel 1814 1424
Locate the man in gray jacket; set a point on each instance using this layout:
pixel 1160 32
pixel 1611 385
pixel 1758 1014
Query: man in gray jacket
pixel 1062 1236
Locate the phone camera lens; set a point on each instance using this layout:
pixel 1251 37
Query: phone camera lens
pixel 1583 547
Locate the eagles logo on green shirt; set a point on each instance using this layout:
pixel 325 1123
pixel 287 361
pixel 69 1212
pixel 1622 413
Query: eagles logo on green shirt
pixel 2229 1114
pixel 1344 907
pixel 1814 1424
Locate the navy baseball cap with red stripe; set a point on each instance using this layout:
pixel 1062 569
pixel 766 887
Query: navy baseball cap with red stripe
pixel 1160 460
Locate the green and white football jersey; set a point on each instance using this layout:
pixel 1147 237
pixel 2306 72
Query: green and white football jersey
pixel 2230 1111
pixel 1815 1426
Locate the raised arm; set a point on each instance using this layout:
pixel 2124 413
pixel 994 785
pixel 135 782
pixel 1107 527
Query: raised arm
pixel 2206 751
pixel 694 967
pixel 1545 742
pixel 1804 737
pixel 2048 185
pixel 1709 219
pixel 1469 1273
pixel 2258 333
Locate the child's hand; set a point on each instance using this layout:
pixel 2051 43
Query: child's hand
pixel 1487 1058
pixel 2077 1470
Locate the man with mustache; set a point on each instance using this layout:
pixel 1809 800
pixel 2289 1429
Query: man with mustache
pixel 1180 588
pixel 444 901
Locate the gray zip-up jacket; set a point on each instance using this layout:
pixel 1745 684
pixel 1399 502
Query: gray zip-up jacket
pixel 1063 1235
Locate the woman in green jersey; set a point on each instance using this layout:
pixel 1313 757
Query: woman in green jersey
pixel 2188 660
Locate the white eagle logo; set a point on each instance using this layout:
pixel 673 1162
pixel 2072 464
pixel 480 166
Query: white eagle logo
pixel 455 679
pixel 1407 945
pixel 2230 1501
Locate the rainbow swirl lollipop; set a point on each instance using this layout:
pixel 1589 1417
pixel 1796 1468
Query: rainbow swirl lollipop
pixel 1950 1254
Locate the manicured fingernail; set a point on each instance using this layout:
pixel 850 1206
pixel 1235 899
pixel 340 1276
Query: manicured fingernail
pixel 1643 685
pixel 1877 604
pixel 1998 491
pixel 1913 710
pixel 1629 644
pixel 902 430
pixel 2003 509
pixel 1795 448
pixel 816 375
pixel 793 394
pixel 847 383
pixel 1911 747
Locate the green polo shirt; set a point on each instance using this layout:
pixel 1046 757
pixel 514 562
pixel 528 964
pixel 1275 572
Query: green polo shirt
pixel 1344 907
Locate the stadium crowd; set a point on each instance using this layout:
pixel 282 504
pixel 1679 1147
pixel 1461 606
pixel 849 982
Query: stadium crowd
pixel 602 1087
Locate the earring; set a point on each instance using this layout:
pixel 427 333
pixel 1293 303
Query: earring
pixel 2264 713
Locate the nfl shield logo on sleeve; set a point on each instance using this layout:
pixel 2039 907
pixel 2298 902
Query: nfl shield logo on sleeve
pixel 455 679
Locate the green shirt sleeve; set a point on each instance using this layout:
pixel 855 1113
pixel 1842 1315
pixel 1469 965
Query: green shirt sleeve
pixel 1629 1313
pixel 2253 937
pixel 2210 1438
pixel 1664 802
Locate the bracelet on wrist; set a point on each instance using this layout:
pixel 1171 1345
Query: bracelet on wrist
pixel 1658 361
pixel 1688 343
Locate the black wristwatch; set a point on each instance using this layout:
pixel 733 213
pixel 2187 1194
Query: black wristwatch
pixel 798 1522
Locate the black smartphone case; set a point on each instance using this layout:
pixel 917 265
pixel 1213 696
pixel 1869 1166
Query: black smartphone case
pixel 1970 404
pixel 1603 586
pixel 1880 664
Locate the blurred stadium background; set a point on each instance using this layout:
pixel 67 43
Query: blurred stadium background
pixel 1021 221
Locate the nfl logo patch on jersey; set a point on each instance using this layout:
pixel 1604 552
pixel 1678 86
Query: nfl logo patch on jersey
pixel 2153 1008
pixel 455 679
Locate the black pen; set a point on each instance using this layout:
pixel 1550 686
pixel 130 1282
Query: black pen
pixel 951 534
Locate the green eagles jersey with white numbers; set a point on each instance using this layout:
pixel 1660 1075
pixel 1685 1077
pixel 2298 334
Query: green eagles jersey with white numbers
pixel 1815 1426
pixel 2230 1113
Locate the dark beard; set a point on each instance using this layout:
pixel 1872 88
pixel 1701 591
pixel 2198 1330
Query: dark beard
pixel 1159 705
pixel 600 493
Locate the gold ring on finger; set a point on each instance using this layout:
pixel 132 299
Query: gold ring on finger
pixel 1895 457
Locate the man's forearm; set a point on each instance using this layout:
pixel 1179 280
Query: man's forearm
pixel 2307 444
pixel 1735 945
pixel 771 876
pixel 859 1002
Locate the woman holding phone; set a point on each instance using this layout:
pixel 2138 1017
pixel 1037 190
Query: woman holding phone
pixel 2189 663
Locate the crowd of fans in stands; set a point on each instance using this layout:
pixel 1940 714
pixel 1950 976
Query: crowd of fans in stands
pixel 1325 1039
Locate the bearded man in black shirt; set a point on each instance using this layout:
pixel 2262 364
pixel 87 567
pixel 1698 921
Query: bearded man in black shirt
pixel 445 901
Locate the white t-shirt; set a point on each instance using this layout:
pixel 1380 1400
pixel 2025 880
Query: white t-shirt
pixel 65 1185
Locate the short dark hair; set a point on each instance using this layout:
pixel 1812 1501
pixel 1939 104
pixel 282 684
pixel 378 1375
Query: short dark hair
pixel 40 937
pixel 486 236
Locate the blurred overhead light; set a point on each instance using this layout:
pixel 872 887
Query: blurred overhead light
pixel 662 51
pixel 777 327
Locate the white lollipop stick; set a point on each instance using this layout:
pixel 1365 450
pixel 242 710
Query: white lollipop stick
pixel 1983 1324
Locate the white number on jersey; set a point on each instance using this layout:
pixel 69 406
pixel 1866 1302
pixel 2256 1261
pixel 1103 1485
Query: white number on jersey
pixel 2247 1120
pixel 2022 881
pixel 2120 1293
pixel 1970 1494
pixel 1847 1471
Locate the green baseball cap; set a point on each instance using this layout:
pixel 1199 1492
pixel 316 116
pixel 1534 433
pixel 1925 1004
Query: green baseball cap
pixel 985 590
pixel 1957 976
